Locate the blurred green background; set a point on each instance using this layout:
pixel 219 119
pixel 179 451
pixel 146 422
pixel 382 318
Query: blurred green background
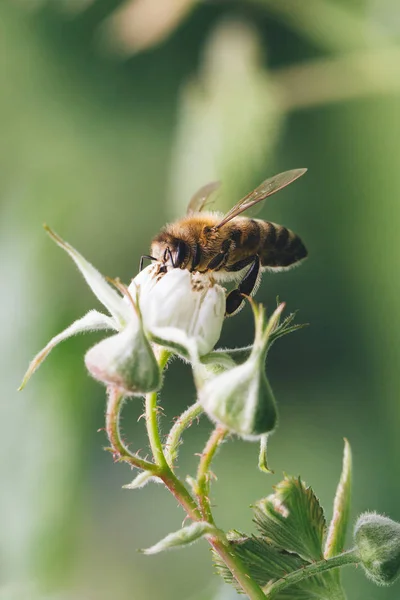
pixel 111 115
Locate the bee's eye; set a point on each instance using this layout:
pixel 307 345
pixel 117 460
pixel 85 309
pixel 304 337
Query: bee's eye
pixel 180 253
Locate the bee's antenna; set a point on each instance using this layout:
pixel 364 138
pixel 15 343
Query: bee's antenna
pixel 142 258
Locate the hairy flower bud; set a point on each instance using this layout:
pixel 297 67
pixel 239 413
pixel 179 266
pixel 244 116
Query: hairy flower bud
pixel 377 541
pixel 241 398
pixel 125 360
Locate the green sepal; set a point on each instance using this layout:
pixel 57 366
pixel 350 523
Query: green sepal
pixel 262 456
pixel 285 327
pixel 292 519
pixel 183 537
pixel 336 537
pixel 221 355
pixel 240 355
pixel 140 481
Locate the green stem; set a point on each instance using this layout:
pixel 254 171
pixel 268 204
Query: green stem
pixel 162 470
pixel 151 418
pixel 175 486
pixel 174 437
pixel 347 558
pixel 179 491
pixel 152 430
pixel 114 406
pixel 203 472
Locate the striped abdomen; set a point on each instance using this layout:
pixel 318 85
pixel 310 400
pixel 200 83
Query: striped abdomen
pixel 277 246
pixel 280 247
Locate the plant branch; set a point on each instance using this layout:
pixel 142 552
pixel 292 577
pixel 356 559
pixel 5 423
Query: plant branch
pixel 203 472
pixel 237 568
pixel 114 406
pixel 347 558
pixel 151 419
pixel 221 546
pixel 163 471
pixel 174 437
pixel 180 492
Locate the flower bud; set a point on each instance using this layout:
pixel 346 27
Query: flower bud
pixel 241 398
pixel 125 360
pixel 377 541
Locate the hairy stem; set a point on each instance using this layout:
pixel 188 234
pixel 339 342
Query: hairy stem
pixel 238 569
pixel 151 419
pixel 114 406
pixel 174 437
pixel 163 471
pixel 347 558
pixel 180 492
pixel 203 472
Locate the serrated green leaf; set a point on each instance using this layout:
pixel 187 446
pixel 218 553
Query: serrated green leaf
pixel 292 519
pixel 264 562
pixel 341 508
pixel 297 592
pixel 183 537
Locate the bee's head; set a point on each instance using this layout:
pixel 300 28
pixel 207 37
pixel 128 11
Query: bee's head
pixel 171 251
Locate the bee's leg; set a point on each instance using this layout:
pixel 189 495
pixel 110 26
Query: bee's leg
pixel 142 258
pixel 234 300
pixel 220 260
pixel 168 254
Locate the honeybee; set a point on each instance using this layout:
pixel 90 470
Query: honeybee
pixel 230 247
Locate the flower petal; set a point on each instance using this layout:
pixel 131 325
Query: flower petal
pixel 177 341
pixel 99 286
pixel 92 321
pixel 209 319
pixel 181 308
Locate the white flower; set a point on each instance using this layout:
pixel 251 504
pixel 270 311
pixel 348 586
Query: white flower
pixel 181 311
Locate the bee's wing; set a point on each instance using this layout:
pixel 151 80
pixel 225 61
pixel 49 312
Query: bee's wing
pixel 265 189
pixel 202 197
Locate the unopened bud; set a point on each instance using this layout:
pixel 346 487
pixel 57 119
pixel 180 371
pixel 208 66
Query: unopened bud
pixel 377 541
pixel 125 360
pixel 241 398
